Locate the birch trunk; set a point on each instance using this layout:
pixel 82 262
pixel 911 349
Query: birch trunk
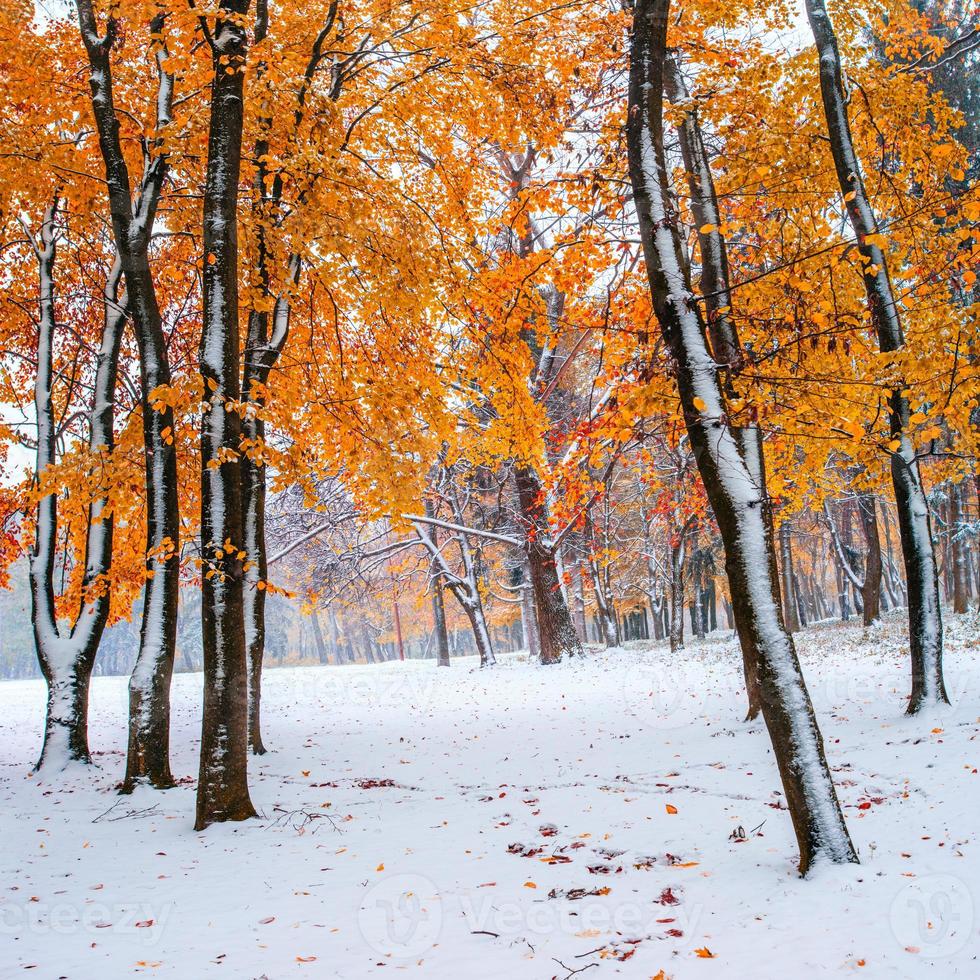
pixel 914 521
pixel 736 499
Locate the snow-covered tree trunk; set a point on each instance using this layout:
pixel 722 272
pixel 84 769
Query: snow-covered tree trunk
pixel 736 499
pixel 466 589
pixel 262 350
pixel 722 333
pixel 66 661
pixel 148 752
pixel 556 631
pixel 222 790
pixel 914 521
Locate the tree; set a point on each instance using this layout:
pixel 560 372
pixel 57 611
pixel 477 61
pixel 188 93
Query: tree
pixel 729 479
pixel 222 789
pixel 148 755
pixel 914 520
pixel 66 660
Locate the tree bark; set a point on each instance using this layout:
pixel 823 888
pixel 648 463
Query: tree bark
pixel 66 662
pixel 725 348
pixel 914 522
pixel 438 599
pixel 959 557
pixel 556 632
pixel 871 586
pixel 222 790
pixel 677 549
pixel 737 502
pixel 790 612
pixel 148 754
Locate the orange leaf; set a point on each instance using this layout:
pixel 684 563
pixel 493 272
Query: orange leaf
pixel 671 808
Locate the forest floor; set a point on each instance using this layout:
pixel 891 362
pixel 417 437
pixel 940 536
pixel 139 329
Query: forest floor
pixel 612 816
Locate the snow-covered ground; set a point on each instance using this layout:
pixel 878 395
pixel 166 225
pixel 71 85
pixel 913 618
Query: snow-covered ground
pixel 612 816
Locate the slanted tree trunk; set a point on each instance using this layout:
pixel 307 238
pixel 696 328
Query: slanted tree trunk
pixel 66 662
pixel 727 476
pixel 148 755
pixel 222 790
pixel 914 522
pixel 556 632
pixel 725 347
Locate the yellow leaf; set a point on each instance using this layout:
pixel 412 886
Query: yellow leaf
pixel 707 229
pixel 699 404
pixel 705 953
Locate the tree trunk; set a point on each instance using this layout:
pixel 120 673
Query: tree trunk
pixel 148 755
pixel 222 791
pixel 556 632
pixel 790 613
pixel 438 598
pixel 677 593
pixel 914 523
pixel 66 662
pixel 960 558
pixel 737 502
pixel 871 587
pixel 725 348
pixel 321 646
pixel 528 619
